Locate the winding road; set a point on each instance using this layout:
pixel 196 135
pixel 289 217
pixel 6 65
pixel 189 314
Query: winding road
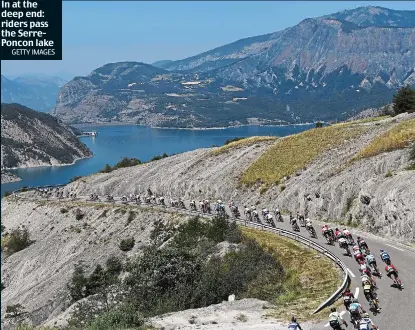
pixel 398 307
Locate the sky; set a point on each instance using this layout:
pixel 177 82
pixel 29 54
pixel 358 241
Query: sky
pixel 100 32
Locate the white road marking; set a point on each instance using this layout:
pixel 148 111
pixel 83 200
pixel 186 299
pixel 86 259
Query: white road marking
pixel 394 247
pixel 356 294
pixel 350 272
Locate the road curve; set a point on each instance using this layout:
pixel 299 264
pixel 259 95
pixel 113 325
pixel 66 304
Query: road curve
pixel 398 311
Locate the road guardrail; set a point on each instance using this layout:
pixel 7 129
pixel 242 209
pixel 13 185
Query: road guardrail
pixel 282 232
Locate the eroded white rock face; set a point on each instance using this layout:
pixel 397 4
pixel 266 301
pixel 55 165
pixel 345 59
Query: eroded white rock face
pixel 36 277
pixel 198 174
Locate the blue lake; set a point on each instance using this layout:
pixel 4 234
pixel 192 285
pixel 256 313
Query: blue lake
pixel 116 142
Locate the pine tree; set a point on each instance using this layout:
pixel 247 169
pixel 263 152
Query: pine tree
pixel 404 100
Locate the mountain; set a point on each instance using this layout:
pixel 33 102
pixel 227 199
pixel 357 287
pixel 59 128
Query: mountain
pixel 376 16
pixel 325 68
pixel 161 64
pixel 38 92
pixel 30 138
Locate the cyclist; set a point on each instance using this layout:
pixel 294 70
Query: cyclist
pixel 366 323
pixel 358 254
pixel 337 232
pixel 365 279
pixel 335 318
pixel 365 270
pixel 327 232
pixel 354 310
pixel 385 256
pixel 392 270
pixel 348 235
pixel 368 292
pixel 371 261
pixel 348 298
pixel 362 244
pixel 294 324
pixel 342 243
pixel 308 224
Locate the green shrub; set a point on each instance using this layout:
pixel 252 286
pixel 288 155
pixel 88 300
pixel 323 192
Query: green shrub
pixel 179 276
pixel 75 178
pixel 78 214
pixel 217 230
pixel 404 100
pixel 124 317
pixel 77 285
pixel 164 155
pixel 7 193
pixel 242 317
pixel 96 281
pixel 389 174
pixel 127 244
pixel 319 124
pixel 131 217
pixel 106 169
pixel 186 273
pixel 113 265
pixel 16 312
pixel 63 210
pixel 127 162
pixel 161 232
pixel 17 240
pixel 282 188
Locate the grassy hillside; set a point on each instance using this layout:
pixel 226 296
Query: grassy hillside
pixel 398 137
pixel 294 152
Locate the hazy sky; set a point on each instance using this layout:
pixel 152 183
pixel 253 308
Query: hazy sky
pixel 95 33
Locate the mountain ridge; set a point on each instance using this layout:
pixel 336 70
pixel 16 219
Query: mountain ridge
pixel 325 68
pixel 30 138
pixel 37 92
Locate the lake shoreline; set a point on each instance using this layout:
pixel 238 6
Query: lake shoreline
pixel 51 165
pixel 7 177
pixel 115 142
pixel 191 128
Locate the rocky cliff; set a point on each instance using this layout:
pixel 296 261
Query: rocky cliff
pixel 30 138
pixel 325 68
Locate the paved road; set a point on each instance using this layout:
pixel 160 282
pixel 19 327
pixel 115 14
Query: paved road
pixel 398 307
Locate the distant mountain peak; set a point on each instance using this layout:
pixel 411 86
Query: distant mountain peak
pixel 376 16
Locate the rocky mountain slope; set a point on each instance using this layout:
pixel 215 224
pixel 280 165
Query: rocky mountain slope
pixel 30 138
pixel 61 241
pixel 36 92
pixel 201 174
pixel 374 193
pixel 324 68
